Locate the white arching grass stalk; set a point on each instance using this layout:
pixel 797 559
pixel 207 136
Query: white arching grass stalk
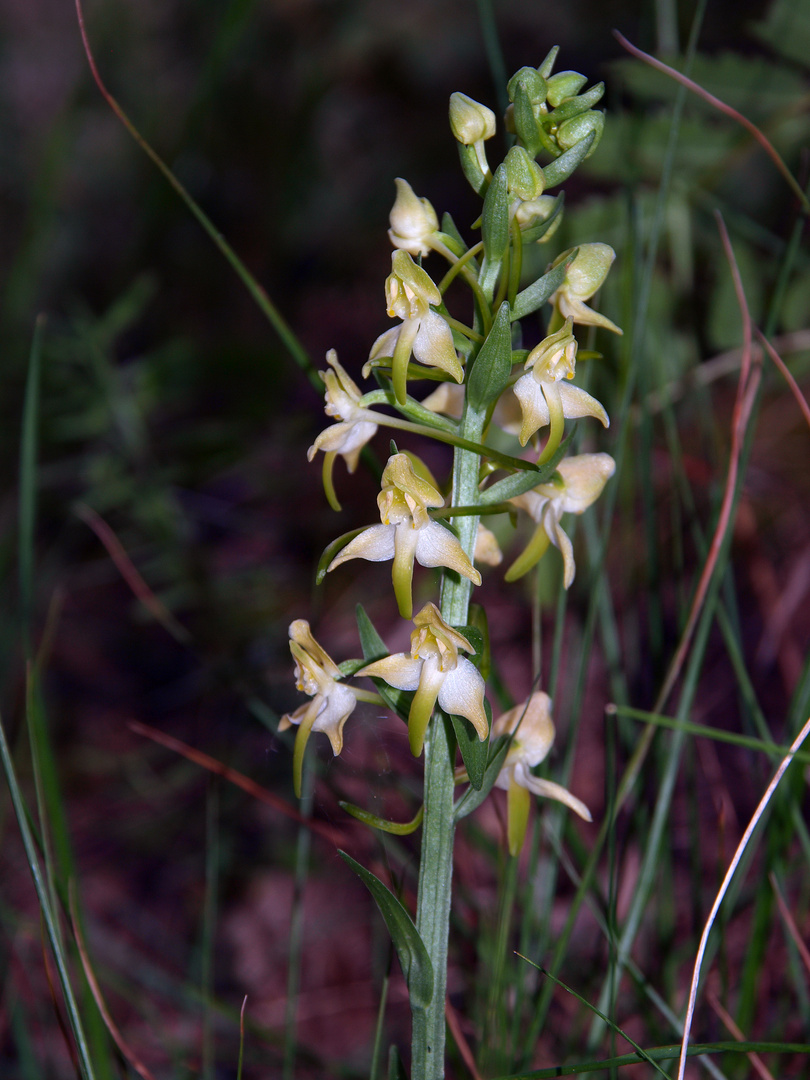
pixel 738 854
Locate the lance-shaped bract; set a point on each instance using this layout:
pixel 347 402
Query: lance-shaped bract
pixel 582 479
pixel 543 395
pixel 436 672
pixel 332 702
pixel 407 532
pixel 424 333
pixel 533 735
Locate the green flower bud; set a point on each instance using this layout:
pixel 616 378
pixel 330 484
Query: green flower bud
pixel 470 121
pixel 532 82
pixel 576 129
pixel 564 84
pixel 524 177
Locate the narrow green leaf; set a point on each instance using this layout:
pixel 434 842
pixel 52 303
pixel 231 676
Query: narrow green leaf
pixel 28 483
pixel 561 168
pixel 537 232
pixel 473 750
pixel 536 295
pixel 473 797
pixel 517 483
pixel 493 365
pixel 396 1070
pixel 494 230
pixel 525 123
pixel 579 104
pixel 374 648
pixel 396 828
pixel 472 169
pixel 413 956
pixel 449 228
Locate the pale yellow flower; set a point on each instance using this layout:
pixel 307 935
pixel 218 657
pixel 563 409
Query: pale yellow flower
pixel 422 332
pixel 543 395
pixel 436 672
pixel 407 532
pixel 583 278
pixel 413 221
pixel 582 479
pixel 533 736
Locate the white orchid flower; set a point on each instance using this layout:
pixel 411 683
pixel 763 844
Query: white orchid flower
pixel 532 731
pixel 356 425
pixel 413 221
pixel 582 479
pixel 424 333
pixel 583 278
pixel 332 702
pixel 407 533
pixel 436 672
pixel 544 396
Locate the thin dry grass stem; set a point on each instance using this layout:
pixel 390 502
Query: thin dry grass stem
pixel 329 833
pixel 50 975
pixel 126 1050
pixel 728 1020
pixel 743 844
pixel 117 553
pixel 782 366
pixel 747 387
pixel 790 923
pixel 749 126
pixel 454 1024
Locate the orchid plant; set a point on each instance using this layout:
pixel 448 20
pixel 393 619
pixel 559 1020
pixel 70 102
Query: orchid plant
pixel 485 381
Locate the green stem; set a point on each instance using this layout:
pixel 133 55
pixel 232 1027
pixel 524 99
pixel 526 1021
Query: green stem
pixel 436 868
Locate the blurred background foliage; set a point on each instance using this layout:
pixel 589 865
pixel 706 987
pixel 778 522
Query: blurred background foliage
pixel 169 407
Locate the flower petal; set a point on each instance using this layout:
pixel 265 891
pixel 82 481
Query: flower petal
pixel 433 346
pixel 547 789
pixel 376 544
pixel 399 670
pixel 462 693
pixel 577 403
pixel 529 393
pixel 436 546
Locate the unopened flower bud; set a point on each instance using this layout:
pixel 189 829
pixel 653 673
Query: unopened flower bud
pixel 413 220
pixel 564 84
pixel 576 129
pixel 470 121
pixel 532 82
pixel 524 177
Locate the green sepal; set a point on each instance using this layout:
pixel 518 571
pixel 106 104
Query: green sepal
pixel 374 648
pixel 563 85
pixel 493 364
pixel 539 293
pixel 525 123
pixel 575 131
pixel 561 168
pixel 404 828
pixel 494 230
pixel 471 168
pixel 413 956
pixel 580 104
pixel 517 483
pixel 537 232
pixel 473 750
pixel 473 797
pixel 547 66
pixel 333 550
